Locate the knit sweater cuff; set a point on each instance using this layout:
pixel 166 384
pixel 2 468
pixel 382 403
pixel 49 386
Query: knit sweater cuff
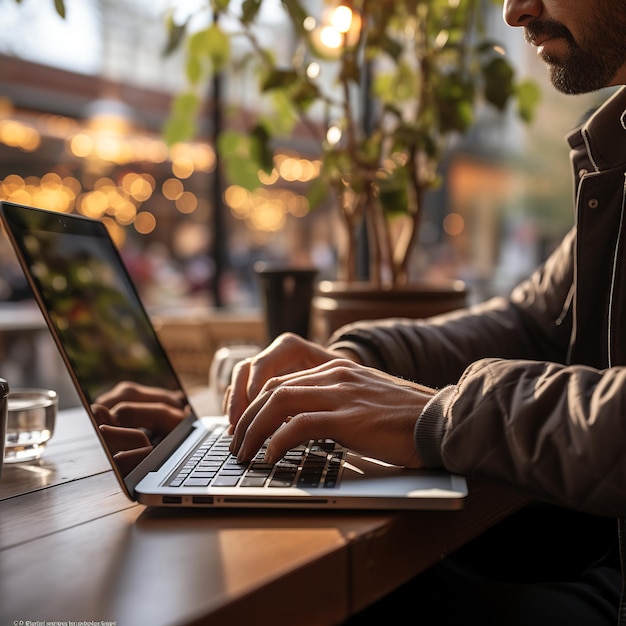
pixel 431 427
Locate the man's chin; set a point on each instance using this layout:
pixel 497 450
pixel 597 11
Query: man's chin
pixel 572 85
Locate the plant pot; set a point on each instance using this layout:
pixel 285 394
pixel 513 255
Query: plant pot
pixel 337 303
pixel 286 294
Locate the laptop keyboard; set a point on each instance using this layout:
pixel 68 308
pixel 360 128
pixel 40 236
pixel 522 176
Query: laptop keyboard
pixel 315 464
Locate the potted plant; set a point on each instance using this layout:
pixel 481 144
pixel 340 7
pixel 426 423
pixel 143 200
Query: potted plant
pixel 381 86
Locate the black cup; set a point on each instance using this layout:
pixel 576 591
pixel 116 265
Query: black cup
pixel 287 293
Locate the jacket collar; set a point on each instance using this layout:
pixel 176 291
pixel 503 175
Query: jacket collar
pixel 604 134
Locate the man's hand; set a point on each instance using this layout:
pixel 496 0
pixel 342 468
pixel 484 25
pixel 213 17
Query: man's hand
pixel 288 353
pixel 366 410
pixel 131 405
pixel 133 417
pixel 128 446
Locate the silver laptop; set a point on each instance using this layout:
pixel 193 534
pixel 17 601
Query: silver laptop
pixel 105 337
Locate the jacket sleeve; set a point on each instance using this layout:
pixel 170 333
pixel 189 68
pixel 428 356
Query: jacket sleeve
pixel 555 431
pixel 510 408
pixel 533 323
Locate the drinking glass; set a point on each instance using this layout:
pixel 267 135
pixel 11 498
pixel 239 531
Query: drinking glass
pixel 31 417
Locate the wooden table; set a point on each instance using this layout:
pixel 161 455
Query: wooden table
pixel 73 548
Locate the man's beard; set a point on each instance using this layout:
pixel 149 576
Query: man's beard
pixel 588 66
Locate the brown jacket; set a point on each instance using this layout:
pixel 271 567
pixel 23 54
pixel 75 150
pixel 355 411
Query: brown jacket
pixel 533 387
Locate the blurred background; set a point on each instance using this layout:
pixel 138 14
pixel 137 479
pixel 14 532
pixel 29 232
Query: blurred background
pixel 83 101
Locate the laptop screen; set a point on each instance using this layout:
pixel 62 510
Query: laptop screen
pixel 102 327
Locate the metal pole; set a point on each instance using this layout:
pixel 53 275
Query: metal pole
pixel 218 222
pixel 367 117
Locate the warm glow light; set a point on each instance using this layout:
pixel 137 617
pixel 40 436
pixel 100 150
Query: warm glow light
pixel 108 148
pixel 333 135
pixel 126 213
pixel 12 133
pixel 187 202
pixel 294 204
pixel 137 186
pixel 182 167
pixel 341 19
pixel 203 157
pixel 442 38
pixel 313 70
pixel 13 182
pixel 145 223
pixel 172 188
pixel 59 126
pixel 141 189
pixel 93 204
pixel 308 171
pixel 453 224
pixel 115 194
pixel 110 123
pixel 51 181
pixel 236 198
pixel 31 140
pixel 267 216
pixel 81 145
pixel 268 179
pixel 50 192
pixel 330 37
pixel 17 135
pixel 72 184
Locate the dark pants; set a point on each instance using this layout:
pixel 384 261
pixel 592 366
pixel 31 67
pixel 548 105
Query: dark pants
pixel 542 566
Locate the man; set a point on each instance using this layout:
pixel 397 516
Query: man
pixel 528 391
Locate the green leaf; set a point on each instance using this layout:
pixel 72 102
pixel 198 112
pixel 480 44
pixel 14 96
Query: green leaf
pixel 528 96
pixel 194 70
pixel 219 49
pixel 178 129
pixel 396 87
pixel 279 79
pixel 249 10
pixel 209 44
pixel 498 76
pixel 175 35
pixel 181 124
pixel 283 118
pixel 455 103
pixel 391 47
pixel 393 192
pixel 369 148
pixel 59 5
pixel 186 103
pixel 487 46
pixel 260 149
pixel 297 14
pixel 318 191
pixel 410 137
pixel 298 90
pixel 240 160
pixel 305 94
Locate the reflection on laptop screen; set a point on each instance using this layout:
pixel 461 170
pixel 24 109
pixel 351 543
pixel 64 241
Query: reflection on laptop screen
pixel 102 326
